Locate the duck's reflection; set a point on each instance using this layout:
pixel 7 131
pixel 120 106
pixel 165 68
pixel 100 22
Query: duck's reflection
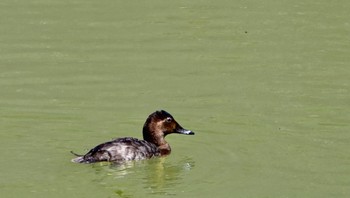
pixel 155 176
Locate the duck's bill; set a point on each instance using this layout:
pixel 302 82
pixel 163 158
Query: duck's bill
pixel 184 131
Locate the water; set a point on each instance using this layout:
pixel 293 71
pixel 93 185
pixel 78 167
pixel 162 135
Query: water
pixel 263 84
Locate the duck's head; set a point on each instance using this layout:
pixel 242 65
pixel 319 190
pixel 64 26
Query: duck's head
pixel 159 124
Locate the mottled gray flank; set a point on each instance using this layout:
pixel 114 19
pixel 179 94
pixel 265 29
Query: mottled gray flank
pixel 121 149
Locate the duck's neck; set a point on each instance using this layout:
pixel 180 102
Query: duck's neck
pixel 158 140
pixel 164 149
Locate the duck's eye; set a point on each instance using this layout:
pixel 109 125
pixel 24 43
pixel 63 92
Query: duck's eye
pixel 168 119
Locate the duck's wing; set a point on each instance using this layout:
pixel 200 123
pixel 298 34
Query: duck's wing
pixel 121 149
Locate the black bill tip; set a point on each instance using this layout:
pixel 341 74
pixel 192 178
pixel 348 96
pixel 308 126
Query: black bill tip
pixel 185 132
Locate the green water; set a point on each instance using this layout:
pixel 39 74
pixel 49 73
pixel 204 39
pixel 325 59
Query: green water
pixel 264 84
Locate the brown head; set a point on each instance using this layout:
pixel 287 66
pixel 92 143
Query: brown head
pixel 158 125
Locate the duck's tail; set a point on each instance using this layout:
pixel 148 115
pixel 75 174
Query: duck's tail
pixel 78 159
pixel 78 155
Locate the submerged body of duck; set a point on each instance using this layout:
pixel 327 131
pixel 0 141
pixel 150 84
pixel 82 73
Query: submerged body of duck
pixel 157 126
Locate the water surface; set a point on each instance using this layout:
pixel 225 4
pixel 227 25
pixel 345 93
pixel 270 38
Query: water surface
pixel 265 86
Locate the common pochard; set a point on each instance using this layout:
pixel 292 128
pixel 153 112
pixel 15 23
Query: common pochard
pixel 158 125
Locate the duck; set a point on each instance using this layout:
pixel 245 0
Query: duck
pixel 157 126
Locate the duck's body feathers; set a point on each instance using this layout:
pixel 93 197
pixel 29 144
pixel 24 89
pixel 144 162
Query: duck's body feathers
pixel 121 149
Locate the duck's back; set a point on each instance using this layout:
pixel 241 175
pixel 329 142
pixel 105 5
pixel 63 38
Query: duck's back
pixel 118 150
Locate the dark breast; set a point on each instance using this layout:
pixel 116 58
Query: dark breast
pixel 121 149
